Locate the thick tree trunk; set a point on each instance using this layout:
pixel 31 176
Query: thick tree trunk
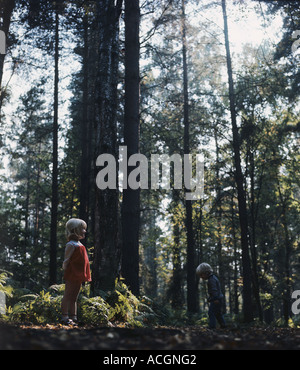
pixel 107 252
pixel 6 9
pixel 131 197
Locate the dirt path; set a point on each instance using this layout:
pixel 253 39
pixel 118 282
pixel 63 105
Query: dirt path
pixel 106 338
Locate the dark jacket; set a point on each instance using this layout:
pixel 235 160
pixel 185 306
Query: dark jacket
pixel 214 288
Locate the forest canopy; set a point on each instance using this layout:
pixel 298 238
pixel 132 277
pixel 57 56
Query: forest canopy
pixel 176 79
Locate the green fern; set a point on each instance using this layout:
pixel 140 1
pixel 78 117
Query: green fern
pixel 6 289
pixel 120 307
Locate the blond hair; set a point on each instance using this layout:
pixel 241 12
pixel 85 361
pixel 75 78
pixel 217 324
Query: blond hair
pixel 72 228
pixel 204 268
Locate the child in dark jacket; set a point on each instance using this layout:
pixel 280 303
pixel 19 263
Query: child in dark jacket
pixel 215 296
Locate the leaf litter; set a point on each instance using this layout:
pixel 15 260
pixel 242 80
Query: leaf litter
pixel 53 337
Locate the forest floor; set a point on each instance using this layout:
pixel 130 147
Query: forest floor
pixel 54 337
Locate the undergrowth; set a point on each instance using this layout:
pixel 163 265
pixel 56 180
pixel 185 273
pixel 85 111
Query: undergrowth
pixel 118 307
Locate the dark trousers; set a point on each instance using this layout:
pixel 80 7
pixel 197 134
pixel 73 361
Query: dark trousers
pixel 215 314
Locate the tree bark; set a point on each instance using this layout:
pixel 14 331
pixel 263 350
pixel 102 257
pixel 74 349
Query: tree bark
pixel 191 275
pixel 131 197
pixel 219 215
pixel 6 9
pixel 253 253
pixel 177 283
pixel 286 296
pixel 247 286
pixel 107 252
pixel 85 129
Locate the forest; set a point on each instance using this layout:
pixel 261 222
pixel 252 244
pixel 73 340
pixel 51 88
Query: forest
pixel 91 92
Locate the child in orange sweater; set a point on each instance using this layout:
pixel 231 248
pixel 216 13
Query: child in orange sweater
pixel 76 269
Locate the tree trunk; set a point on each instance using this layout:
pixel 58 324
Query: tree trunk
pixel 191 276
pixel 106 228
pixel 286 296
pixel 177 283
pixel 236 260
pixel 85 130
pixel 247 297
pixel 255 280
pixel 131 197
pixel 6 9
pixel 54 200
pixel 219 216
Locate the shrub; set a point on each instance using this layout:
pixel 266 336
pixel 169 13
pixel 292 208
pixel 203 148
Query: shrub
pixel 119 306
pixel 36 308
pixel 94 310
pixel 6 289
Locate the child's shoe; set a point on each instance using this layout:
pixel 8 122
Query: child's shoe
pixel 65 320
